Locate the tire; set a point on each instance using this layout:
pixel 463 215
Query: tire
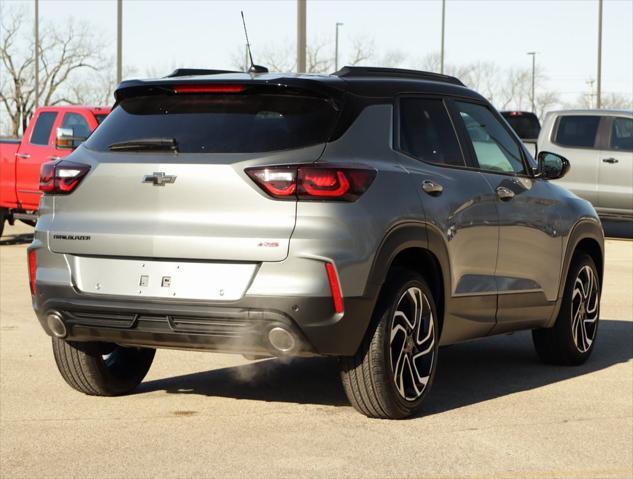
pixel 101 369
pixel 399 333
pixel 572 338
pixel 3 215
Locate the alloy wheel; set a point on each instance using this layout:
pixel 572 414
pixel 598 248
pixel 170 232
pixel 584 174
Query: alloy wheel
pixel 584 309
pixel 411 344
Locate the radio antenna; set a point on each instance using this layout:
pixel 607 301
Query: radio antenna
pixel 253 68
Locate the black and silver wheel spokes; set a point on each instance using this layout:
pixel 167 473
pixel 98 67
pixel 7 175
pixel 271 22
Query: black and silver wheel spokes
pixel 584 309
pixel 411 344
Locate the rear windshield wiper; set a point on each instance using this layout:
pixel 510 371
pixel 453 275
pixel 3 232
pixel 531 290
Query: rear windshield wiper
pixel 140 144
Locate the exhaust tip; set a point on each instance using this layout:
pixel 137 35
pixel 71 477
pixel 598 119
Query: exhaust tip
pixel 56 324
pixel 281 339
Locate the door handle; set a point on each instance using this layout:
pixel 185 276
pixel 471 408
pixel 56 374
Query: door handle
pixel 24 156
pixel 609 160
pixel 54 158
pixel 432 188
pixel 505 194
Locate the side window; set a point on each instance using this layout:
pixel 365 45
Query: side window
pixel 577 131
pixel 426 132
pixel 42 129
pixel 622 134
pixel 495 148
pixel 78 124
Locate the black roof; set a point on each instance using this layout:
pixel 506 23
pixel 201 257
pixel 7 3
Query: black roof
pixel 363 81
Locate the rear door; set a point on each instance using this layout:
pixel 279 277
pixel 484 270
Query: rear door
pixel 36 148
pixel 530 246
pixel 460 205
pixel 576 138
pixel 615 180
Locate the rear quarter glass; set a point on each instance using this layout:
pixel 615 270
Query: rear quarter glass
pixel 219 123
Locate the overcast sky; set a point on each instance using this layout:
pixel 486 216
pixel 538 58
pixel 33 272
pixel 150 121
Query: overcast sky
pixel 161 34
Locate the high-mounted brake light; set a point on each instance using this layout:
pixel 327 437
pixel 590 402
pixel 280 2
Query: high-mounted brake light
pixel 32 259
pixel 209 88
pixel 61 177
pixel 313 182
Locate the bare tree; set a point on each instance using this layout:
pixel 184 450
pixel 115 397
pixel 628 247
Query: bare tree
pixel 63 50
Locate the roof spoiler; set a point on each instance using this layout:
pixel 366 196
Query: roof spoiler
pixel 365 72
pixel 185 72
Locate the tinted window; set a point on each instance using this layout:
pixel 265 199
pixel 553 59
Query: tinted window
pixel 577 131
pixel 525 125
pixel 43 126
pixel 219 123
pixel 622 134
pixel 494 146
pixel 78 124
pixel 426 132
pixel 100 117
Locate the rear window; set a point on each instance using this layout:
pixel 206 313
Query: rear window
pixel 525 125
pixel 577 131
pixel 203 123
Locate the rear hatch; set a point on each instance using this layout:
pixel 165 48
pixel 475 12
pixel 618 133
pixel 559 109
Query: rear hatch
pixel 167 178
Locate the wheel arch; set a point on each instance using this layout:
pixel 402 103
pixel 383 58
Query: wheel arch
pixel 419 247
pixel 586 236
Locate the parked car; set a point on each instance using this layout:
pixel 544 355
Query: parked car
pixel 526 125
pixel 371 215
pixel 52 133
pixel 599 145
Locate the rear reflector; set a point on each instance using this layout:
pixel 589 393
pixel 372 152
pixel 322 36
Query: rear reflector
pixel 313 182
pixel 209 88
pixel 32 260
pixel 335 287
pixel 61 177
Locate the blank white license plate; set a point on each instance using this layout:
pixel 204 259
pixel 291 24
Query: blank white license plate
pixel 162 279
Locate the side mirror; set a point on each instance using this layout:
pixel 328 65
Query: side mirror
pixel 65 139
pixel 552 166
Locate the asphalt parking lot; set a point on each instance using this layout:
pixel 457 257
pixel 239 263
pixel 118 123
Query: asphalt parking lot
pixel 494 410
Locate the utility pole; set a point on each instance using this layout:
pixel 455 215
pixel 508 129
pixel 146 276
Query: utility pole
pixel 301 36
pixel 119 40
pixel 599 79
pixel 533 79
pixel 338 24
pixel 442 48
pixel 37 53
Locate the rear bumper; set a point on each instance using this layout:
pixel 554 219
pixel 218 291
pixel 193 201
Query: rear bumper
pixel 240 327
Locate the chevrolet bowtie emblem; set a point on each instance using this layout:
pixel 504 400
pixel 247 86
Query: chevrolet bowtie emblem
pixel 158 178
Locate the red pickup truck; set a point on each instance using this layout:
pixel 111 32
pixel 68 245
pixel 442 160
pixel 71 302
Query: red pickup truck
pixel 52 133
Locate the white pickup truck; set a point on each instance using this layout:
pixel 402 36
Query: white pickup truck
pixel 599 146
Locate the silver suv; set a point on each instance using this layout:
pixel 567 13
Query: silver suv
pixel 372 215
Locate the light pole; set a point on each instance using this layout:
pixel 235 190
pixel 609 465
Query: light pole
pixel 338 24
pixel 442 48
pixel 37 53
pixel 119 40
pixel 533 77
pixel 599 87
pixel 301 36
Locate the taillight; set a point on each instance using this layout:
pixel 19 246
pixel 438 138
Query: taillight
pixel 313 182
pixel 335 287
pixel 61 177
pixel 31 256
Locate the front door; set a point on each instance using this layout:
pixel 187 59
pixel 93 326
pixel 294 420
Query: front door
pixel 530 241
pixel 460 206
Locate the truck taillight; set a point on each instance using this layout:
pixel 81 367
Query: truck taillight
pixel 61 177
pixel 313 182
pixel 32 260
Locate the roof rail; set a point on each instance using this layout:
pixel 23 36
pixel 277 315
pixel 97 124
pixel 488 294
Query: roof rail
pixel 359 72
pixel 183 72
